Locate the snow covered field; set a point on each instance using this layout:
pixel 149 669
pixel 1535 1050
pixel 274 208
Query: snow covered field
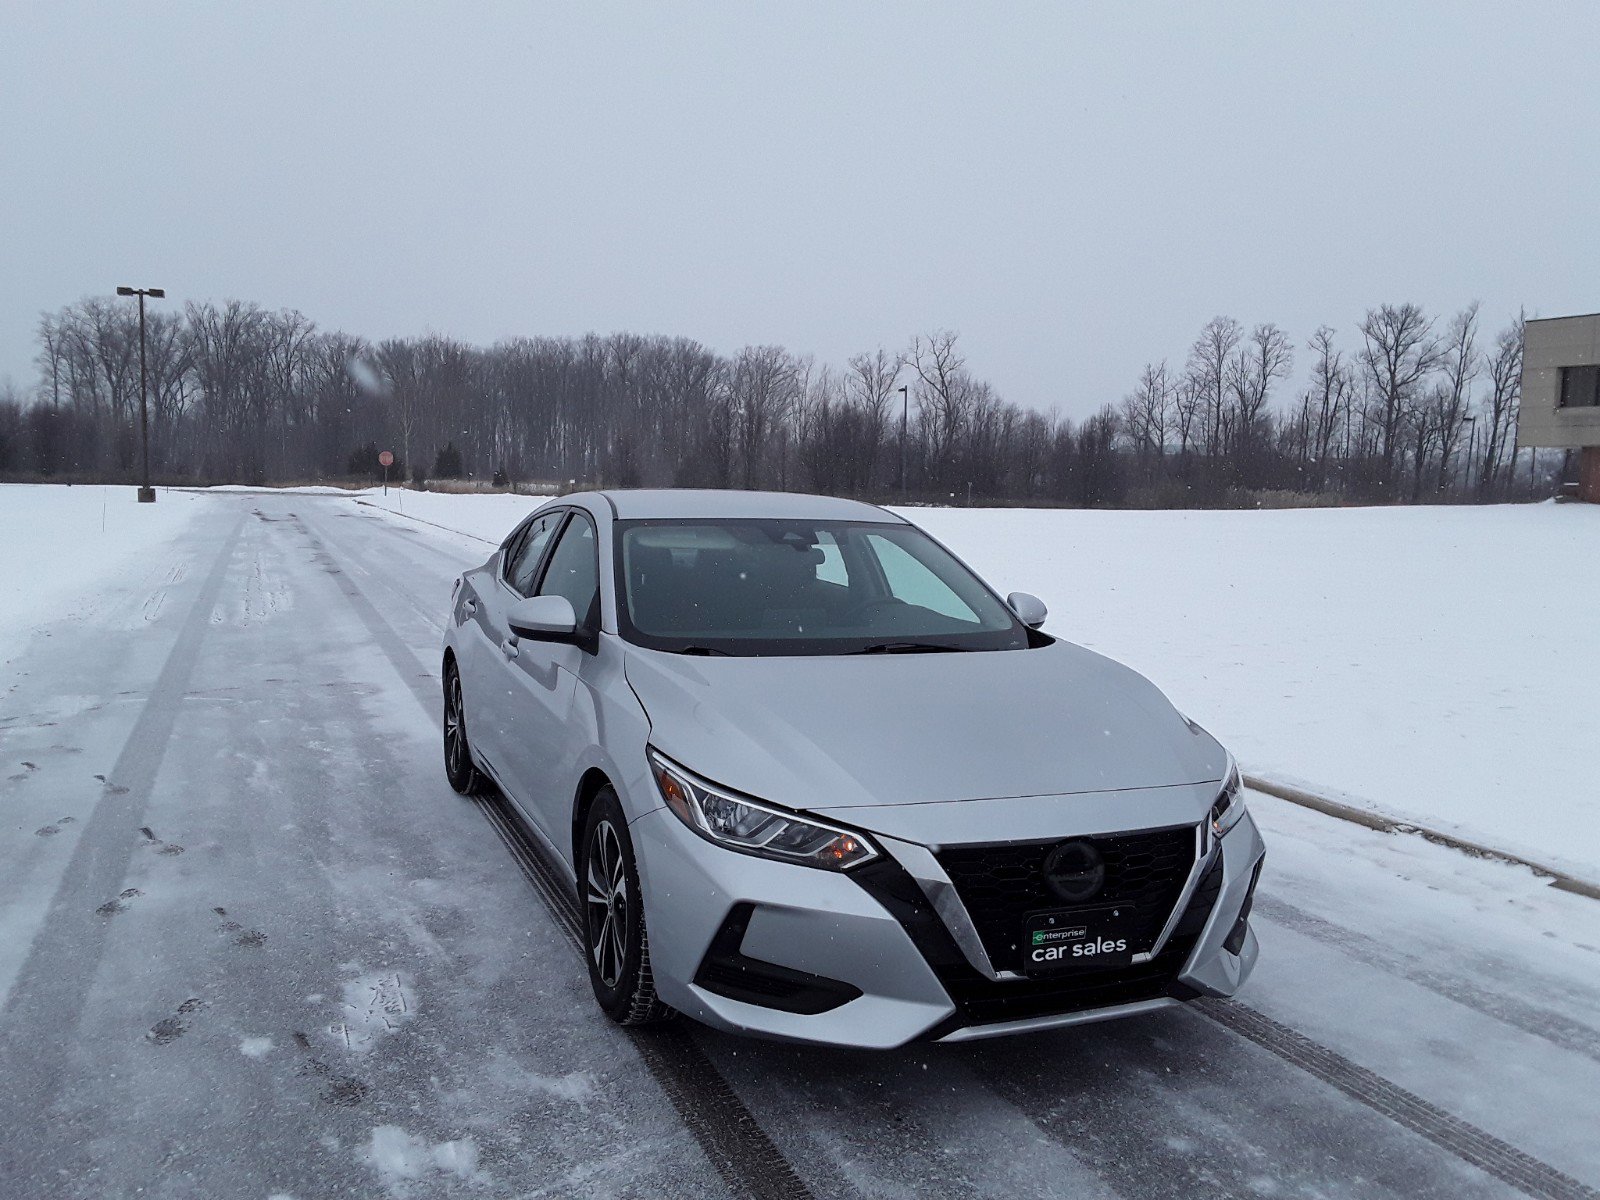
pixel 59 544
pixel 1417 661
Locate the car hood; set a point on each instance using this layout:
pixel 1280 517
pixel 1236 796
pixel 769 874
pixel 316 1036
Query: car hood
pixel 853 731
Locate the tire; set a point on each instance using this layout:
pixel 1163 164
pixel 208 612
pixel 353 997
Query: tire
pixel 458 769
pixel 615 941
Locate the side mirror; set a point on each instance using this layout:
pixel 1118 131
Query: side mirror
pixel 543 618
pixel 1030 610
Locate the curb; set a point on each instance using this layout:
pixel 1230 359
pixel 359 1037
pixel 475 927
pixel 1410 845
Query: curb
pixel 1559 880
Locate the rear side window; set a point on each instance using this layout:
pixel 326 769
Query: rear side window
pixel 574 571
pixel 524 560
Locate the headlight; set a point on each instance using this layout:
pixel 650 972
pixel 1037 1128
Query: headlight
pixel 1229 806
pixel 752 828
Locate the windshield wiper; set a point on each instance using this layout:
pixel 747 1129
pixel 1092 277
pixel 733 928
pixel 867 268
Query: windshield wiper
pixel 704 650
pixel 910 648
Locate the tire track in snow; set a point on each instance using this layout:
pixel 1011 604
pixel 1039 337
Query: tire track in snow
pixel 1564 1032
pixel 746 1158
pixel 53 982
pixel 1465 1140
pixel 748 1161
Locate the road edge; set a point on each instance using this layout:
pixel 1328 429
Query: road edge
pixel 1560 880
pixel 421 521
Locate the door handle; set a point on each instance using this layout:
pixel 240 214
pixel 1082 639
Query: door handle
pixel 469 606
pixel 509 647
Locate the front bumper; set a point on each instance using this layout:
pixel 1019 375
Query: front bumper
pixel 885 955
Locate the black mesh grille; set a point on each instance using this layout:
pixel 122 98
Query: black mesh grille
pixel 981 1001
pixel 1000 885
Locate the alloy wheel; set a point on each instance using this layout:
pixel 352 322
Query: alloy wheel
pixel 607 896
pixel 455 739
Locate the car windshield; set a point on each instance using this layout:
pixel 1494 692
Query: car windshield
pixel 750 587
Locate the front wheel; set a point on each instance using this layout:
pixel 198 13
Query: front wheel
pixel 616 943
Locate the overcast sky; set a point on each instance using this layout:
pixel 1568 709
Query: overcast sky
pixel 1075 188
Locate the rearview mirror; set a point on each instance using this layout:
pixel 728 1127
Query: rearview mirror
pixel 543 618
pixel 1030 610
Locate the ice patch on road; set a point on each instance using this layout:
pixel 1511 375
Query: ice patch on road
pixel 400 1158
pixel 255 1047
pixel 375 1006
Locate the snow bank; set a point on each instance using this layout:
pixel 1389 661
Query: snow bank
pixel 58 542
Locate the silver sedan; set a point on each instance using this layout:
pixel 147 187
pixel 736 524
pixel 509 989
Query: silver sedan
pixel 811 778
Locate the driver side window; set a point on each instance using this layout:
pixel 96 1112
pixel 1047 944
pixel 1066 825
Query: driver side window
pixel 574 571
pixel 524 560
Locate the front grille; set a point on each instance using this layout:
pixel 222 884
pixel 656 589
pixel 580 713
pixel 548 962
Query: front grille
pixel 981 1001
pixel 1000 885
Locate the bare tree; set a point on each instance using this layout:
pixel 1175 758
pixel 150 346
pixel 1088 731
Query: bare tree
pixel 1458 356
pixel 229 350
pixel 1188 405
pixel 1145 416
pixel 1399 352
pixel 1326 403
pixel 765 384
pixel 1253 370
pixel 1505 396
pixel 942 393
pixel 1098 477
pixel 870 386
pixel 1207 372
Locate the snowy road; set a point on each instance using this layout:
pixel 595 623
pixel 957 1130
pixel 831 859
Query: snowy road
pixel 251 945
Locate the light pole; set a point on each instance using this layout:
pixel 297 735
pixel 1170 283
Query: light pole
pixel 905 415
pixel 147 494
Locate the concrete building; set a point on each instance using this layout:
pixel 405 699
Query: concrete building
pixel 1561 393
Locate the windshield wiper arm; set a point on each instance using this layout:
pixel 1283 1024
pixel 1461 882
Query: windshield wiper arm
pixel 910 648
pixel 704 650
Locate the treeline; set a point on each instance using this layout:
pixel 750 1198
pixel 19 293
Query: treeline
pixel 1410 408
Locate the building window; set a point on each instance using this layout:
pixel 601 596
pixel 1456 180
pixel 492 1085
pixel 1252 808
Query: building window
pixel 1580 387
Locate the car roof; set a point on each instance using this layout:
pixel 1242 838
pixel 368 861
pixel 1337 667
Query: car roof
pixel 634 504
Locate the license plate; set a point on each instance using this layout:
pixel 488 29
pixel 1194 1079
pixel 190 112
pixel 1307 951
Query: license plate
pixel 1077 939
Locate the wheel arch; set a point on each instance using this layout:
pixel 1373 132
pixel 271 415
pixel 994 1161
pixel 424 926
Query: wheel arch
pixel 589 786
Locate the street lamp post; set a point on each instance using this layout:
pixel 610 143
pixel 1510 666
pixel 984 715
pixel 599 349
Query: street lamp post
pixel 147 494
pixel 905 415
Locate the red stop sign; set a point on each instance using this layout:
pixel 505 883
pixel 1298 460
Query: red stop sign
pixel 386 459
